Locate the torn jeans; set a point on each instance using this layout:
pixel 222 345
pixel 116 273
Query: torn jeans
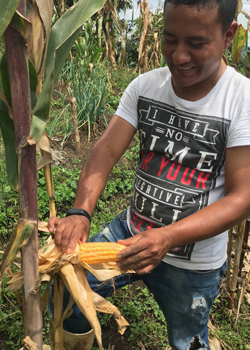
pixel 184 296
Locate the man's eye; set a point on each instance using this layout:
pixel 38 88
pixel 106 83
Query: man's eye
pixel 197 45
pixel 169 41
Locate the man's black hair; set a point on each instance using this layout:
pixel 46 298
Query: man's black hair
pixel 226 10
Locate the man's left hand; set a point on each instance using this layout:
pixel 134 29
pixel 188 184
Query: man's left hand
pixel 144 251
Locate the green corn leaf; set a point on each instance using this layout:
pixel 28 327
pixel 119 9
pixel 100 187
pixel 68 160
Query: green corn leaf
pixel 238 44
pixel 62 37
pixel 8 9
pixel 8 133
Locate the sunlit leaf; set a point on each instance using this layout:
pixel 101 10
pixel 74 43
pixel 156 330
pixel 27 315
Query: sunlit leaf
pixel 238 44
pixel 35 45
pixel 62 37
pixel 46 9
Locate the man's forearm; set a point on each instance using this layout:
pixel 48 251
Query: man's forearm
pixel 93 179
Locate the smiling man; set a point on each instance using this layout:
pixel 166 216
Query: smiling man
pixel 192 178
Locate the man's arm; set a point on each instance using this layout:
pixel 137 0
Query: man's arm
pixel 92 181
pixel 148 248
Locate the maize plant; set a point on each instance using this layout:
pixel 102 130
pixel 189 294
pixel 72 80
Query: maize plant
pixel 35 54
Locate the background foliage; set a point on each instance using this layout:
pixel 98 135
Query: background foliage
pixel 97 82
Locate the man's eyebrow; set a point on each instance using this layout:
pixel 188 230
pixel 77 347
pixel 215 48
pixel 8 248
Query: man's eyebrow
pixel 196 37
pixel 167 33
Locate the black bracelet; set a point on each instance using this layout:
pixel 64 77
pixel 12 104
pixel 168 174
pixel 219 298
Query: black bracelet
pixel 79 212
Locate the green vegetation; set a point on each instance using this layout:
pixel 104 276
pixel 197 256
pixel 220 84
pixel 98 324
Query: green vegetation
pixel 147 323
pixel 233 336
pixel 98 90
pixel 135 303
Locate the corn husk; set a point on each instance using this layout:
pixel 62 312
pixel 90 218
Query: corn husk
pixel 73 272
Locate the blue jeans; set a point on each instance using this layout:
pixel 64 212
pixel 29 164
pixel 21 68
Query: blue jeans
pixel 184 296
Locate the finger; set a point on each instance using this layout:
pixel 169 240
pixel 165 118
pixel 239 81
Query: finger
pixel 73 240
pixel 60 236
pixel 52 223
pixel 130 240
pixel 145 270
pixel 139 266
pixel 136 245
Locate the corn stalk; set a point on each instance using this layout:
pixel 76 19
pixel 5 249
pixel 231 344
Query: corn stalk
pixel 143 51
pixel 240 232
pixel 155 58
pixel 21 107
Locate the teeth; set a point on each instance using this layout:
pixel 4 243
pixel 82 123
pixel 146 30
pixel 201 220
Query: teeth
pixel 184 68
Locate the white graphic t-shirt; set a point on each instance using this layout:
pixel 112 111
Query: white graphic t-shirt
pixel 182 155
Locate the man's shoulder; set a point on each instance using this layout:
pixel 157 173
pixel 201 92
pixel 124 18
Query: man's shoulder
pixel 238 78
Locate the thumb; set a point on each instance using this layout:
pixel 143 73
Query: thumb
pixel 129 241
pixel 52 223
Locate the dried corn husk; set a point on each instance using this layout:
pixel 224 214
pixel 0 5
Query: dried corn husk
pixel 72 270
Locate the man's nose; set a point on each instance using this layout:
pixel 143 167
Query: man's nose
pixel 180 55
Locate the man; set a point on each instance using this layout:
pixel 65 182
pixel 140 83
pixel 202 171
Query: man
pixel 192 177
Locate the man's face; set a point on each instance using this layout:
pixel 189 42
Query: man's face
pixel 192 46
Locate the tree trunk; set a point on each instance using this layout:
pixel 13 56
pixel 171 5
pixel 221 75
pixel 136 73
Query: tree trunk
pixel 20 96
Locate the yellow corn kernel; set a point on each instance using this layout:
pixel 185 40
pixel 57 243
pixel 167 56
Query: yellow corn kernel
pixel 100 252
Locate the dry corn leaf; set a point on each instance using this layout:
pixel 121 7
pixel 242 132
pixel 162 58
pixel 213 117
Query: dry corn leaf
pixel 214 344
pixel 44 146
pixel 43 226
pixel 19 237
pixel 103 305
pixel 75 280
pixel 104 271
pixel 35 44
pixel 242 294
pixel 29 344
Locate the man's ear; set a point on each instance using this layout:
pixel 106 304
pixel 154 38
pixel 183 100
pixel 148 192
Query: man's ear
pixel 229 34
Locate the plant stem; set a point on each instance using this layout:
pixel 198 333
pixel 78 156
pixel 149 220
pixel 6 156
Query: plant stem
pixel 21 106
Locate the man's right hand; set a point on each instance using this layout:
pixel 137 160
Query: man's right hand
pixel 69 231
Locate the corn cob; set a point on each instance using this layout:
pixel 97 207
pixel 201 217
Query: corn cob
pixel 99 252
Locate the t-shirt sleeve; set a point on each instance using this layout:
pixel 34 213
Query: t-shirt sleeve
pixel 239 130
pixel 127 108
